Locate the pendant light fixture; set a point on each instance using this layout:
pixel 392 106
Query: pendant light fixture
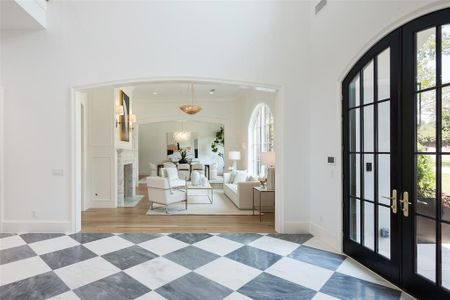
pixel 192 108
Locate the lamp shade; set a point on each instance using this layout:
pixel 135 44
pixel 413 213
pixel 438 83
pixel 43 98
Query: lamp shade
pixel 268 158
pixel 234 155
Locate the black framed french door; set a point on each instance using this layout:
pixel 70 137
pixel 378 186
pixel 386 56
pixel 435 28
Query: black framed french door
pixel 371 158
pixel 396 139
pixel 426 155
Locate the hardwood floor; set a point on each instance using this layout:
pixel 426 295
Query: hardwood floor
pixel 135 220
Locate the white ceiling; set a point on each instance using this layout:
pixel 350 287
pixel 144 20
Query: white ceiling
pixel 182 90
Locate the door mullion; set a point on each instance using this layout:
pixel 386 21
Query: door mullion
pixel 361 159
pixel 439 156
pixel 375 148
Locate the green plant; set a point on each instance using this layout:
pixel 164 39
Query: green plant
pixel 426 178
pixel 218 144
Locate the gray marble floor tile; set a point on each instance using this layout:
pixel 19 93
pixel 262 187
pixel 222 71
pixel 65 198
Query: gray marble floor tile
pixel 65 257
pixel 191 257
pixel 3 235
pixel 84 238
pixel 190 238
pixel 254 257
pixel 295 238
pixel 36 237
pixel 348 287
pixel 42 286
pixel 117 286
pixel 15 253
pixel 192 287
pixel 318 257
pixel 244 238
pixel 138 238
pixel 269 287
pixel 129 257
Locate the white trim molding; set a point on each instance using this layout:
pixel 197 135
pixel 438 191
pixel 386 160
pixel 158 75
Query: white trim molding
pixel 16 226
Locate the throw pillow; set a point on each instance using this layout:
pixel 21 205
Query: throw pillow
pixel 240 176
pixel 172 173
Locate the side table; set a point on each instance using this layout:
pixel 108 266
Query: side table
pixel 262 191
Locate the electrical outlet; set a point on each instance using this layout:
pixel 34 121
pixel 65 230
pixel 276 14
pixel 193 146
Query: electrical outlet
pixel 33 214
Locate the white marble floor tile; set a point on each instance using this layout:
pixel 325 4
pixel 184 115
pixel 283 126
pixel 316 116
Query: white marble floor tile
pixel 322 296
pixel 163 245
pixel 232 274
pixel 85 272
pixel 65 296
pixel 151 296
pixel 273 245
pixel 22 269
pixel 218 245
pixel 352 268
pixel 11 241
pixel 108 245
pixel 52 245
pixel 237 296
pixel 301 273
pixel 157 272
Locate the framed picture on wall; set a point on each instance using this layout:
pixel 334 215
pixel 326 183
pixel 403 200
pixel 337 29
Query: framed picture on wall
pixel 125 122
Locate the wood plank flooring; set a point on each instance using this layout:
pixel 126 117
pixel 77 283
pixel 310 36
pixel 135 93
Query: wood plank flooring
pixel 135 220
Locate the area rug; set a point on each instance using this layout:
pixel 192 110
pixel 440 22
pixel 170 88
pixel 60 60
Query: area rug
pixel 200 205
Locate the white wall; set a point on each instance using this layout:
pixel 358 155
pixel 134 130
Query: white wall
pixel 337 41
pixel 265 42
pixel 153 141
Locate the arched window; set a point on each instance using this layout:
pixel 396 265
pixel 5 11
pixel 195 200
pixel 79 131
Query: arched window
pixel 260 137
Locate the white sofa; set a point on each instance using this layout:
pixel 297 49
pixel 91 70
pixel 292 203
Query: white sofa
pixel 240 191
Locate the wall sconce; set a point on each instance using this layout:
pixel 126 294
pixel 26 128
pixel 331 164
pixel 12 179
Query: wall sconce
pixel 119 114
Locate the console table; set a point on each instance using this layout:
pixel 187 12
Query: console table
pixel 260 191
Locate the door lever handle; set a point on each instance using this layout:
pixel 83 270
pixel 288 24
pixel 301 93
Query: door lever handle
pixel 405 204
pixel 393 201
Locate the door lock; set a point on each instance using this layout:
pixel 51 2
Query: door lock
pixel 405 204
pixel 393 201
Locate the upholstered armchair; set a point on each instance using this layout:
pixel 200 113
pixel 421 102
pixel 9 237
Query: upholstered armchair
pixel 160 191
pixel 153 169
pixel 172 175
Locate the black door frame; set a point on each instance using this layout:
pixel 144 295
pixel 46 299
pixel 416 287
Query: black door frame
pixel 401 271
pixel 411 281
pixel 389 268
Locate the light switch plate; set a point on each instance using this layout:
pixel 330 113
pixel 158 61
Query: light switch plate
pixel 58 172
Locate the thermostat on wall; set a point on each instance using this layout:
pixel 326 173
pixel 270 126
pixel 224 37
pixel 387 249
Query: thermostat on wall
pixel 331 160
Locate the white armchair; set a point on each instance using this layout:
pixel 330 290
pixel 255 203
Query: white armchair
pixel 172 176
pixel 160 191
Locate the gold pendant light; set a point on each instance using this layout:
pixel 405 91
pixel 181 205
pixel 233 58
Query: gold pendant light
pixel 192 108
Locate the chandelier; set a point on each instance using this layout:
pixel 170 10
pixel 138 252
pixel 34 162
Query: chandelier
pixel 192 108
pixel 182 136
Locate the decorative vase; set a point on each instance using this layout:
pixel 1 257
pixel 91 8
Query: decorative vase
pixel 204 180
pixel 195 178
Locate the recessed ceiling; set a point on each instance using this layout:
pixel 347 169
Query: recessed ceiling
pixel 182 90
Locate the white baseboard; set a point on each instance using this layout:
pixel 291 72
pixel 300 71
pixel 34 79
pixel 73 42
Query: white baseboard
pixel 296 227
pixel 101 204
pixel 17 226
pixel 335 242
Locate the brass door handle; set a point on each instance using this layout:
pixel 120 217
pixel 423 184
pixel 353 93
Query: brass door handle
pixel 393 201
pixel 405 204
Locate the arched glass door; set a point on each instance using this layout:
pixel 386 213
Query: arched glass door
pixel 396 136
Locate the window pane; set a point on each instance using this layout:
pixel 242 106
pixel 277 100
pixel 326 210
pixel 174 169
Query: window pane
pixel 446 53
pixel 355 220
pixel 426 247
pixel 426 121
pixel 384 75
pixel 355 171
pixel 445 185
pixel 426 58
pixel 353 92
pixel 426 184
pixel 384 178
pixel 368 128
pixel 445 255
pixel 384 231
pixel 354 133
pixel 384 126
pixel 368 83
pixel 369 170
pixel 369 225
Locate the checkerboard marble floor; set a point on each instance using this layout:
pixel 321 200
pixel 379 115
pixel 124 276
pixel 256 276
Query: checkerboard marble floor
pixel 181 266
